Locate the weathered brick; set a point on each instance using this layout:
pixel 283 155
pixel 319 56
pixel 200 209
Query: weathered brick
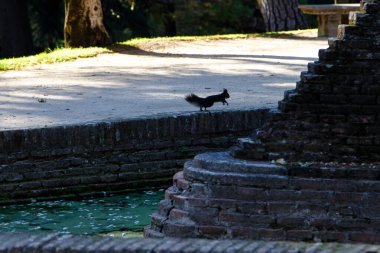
pixel 205 216
pixel 217 231
pixel 331 236
pixel 179 230
pixel 282 208
pixel 287 222
pixel 271 234
pixel 299 235
pixel 255 208
pixel 241 232
pixel 233 218
pixel 178 214
pixel 282 195
pixel 164 207
pixel 333 99
pixel 364 237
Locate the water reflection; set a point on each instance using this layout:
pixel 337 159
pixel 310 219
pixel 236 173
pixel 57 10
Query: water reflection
pixel 88 217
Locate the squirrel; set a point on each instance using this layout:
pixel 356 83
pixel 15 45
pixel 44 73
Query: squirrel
pixel 208 101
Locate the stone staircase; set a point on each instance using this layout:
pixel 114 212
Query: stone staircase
pixel 334 112
pixel 221 197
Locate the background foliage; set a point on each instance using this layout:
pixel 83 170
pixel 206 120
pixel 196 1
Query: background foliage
pixel 125 19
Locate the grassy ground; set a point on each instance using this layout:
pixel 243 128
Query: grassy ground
pixel 138 41
pixel 67 54
pixel 57 55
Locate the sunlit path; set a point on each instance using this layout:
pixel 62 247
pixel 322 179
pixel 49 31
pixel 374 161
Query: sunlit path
pixel 256 72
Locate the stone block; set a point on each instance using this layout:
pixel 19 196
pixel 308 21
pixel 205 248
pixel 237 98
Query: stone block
pixel 364 237
pixel 370 8
pixel 164 207
pixel 299 235
pixel 271 234
pixel 230 218
pixel 222 203
pixel 314 88
pixel 204 215
pixel 245 193
pixel 282 195
pixel 363 99
pixel 331 236
pixel 345 89
pixel 332 118
pixel 361 19
pixel 281 208
pixel 170 192
pixel 212 231
pixel 291 223
pixel 242 232
pixel 179 230
pixel 327 55
pixel 253 207
pixel 372 130
pixel 180 216
pixel 360 141
pixel 333 99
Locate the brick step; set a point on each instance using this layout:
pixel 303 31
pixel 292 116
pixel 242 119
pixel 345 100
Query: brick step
pixel 235 178
pixel 164 207
pixel 369 8
pixel 175 229
pixel 180 182
pixel 170 192
pixel 150 233
pixel 233 224
pixel 367 66
pixel 350 32
pixel 325 192
pixel 224 162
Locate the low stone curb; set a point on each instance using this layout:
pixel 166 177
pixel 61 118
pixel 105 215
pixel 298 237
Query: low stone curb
pixel 64 243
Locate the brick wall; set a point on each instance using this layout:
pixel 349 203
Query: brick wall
pixel 113 156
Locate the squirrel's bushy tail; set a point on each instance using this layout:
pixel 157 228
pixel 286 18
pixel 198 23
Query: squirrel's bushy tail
pixel 193 99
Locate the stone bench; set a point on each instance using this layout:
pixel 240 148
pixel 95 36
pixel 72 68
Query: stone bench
pixel 329 16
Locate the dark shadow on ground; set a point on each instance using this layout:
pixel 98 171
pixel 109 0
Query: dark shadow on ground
pixel 254 58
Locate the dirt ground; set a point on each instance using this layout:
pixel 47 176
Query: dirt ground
pixel 154 80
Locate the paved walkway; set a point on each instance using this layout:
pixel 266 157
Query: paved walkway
pixel 154 80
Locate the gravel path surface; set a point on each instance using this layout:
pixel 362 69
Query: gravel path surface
pixel 154 80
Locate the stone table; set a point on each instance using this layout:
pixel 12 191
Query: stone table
pixel 329 16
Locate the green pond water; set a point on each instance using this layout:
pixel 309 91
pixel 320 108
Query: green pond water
pixel 119 215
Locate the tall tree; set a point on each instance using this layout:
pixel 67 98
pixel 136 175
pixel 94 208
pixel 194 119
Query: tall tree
pixel 15 35
pixel 46 19
pixel 282 15
pixel 84 24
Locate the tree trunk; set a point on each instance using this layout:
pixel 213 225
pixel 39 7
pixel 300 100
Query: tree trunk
pixel 15 35
pixel 84 24
pixel 282 15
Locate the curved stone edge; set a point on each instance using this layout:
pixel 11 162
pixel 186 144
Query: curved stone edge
pixel 225 162
pixel 213 165
pixel 233 178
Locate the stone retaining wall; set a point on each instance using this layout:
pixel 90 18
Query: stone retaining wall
pixel 113 156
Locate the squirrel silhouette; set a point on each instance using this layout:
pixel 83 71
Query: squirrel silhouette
pixel 207 101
